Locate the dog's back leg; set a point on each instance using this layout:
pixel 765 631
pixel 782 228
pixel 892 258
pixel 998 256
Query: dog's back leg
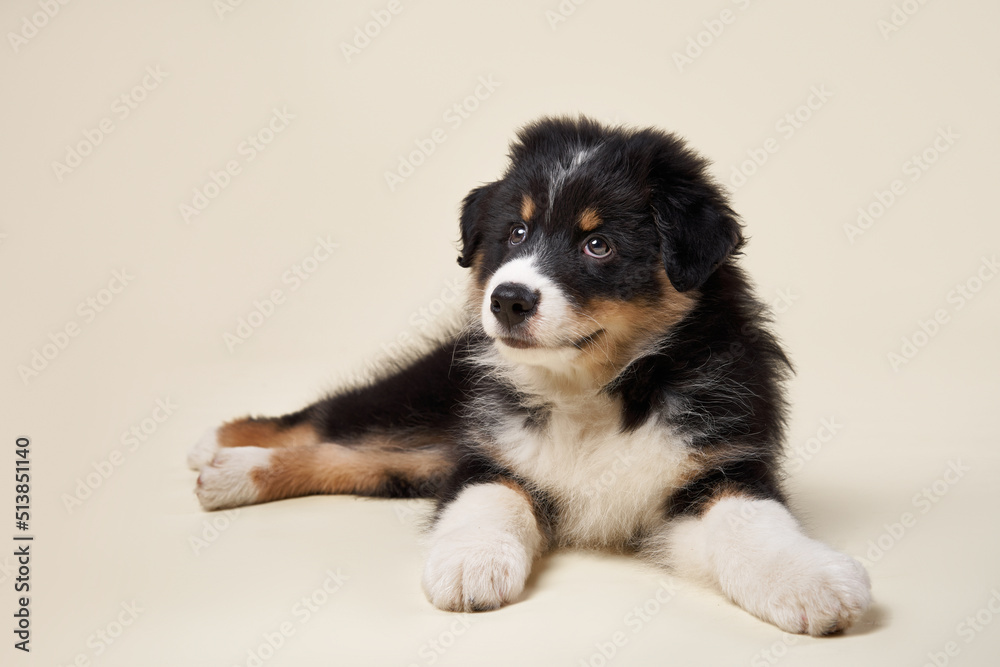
pixel 392 468
pixel 391 438
pixel 290 431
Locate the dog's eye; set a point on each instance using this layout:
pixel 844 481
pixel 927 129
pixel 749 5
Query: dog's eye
pixel 597 247
pixel 518 233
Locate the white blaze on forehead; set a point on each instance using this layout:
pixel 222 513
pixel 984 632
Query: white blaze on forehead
pixel 523 270
pixel 562 170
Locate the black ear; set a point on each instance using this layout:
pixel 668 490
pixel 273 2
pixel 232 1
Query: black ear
pixel 697 229
pixel 471 222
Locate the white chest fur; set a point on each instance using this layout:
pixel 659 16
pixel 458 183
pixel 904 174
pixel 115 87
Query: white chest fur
pixel 608 485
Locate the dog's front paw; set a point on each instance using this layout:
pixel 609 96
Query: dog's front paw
pixel 476 573
pixel 812 590
pixel 227 480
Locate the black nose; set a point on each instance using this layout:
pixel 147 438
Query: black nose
pixel 512 303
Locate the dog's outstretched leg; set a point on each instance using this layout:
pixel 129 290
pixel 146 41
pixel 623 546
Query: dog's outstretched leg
pixel 249 432
pixel 391 438
pixel 246 475
pixel 756 553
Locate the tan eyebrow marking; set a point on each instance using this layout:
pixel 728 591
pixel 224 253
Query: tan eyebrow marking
pixel 589 220
pixel 527 207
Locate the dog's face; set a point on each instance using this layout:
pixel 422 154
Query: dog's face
pixel 594 242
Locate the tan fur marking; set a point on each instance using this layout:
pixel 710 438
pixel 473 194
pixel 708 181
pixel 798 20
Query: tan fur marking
pixel 725 490
pixel 589 220
pixel 628 326
pixel 360 469
pixel 514 486
pixel 476 289
pixel 265 433
pixel 527 207
pixel 706 460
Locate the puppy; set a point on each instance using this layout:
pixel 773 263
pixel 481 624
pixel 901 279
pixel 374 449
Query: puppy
pixel 616 387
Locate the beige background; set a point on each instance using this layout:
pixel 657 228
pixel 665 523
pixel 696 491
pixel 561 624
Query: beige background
pixel 843 307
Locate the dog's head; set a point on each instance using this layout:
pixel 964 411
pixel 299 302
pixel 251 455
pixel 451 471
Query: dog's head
pixel 594 243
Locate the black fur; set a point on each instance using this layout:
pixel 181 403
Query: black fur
pixel 423 398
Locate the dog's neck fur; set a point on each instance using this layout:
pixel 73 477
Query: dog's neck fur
pixel 571 383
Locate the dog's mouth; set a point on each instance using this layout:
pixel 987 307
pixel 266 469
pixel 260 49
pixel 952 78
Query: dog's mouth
pixel 581 343
pixel 519 343
pixel 530 344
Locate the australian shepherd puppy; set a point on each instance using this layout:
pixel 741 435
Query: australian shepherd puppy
pixel 615 386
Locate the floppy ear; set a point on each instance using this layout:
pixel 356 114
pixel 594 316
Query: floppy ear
pixel 471 222
pixel 697 229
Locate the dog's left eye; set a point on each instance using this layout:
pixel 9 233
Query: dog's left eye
pixel 597 246
pixel 518 233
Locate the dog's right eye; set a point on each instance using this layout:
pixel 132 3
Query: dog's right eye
pixel 518 233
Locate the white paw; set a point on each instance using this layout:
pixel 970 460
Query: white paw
pixel 476 572
pixel 755 551
pixel 227 480
pixel 200 455
pixel 812 590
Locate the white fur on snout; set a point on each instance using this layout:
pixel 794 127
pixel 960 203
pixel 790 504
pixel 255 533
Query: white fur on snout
pixel 547 326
